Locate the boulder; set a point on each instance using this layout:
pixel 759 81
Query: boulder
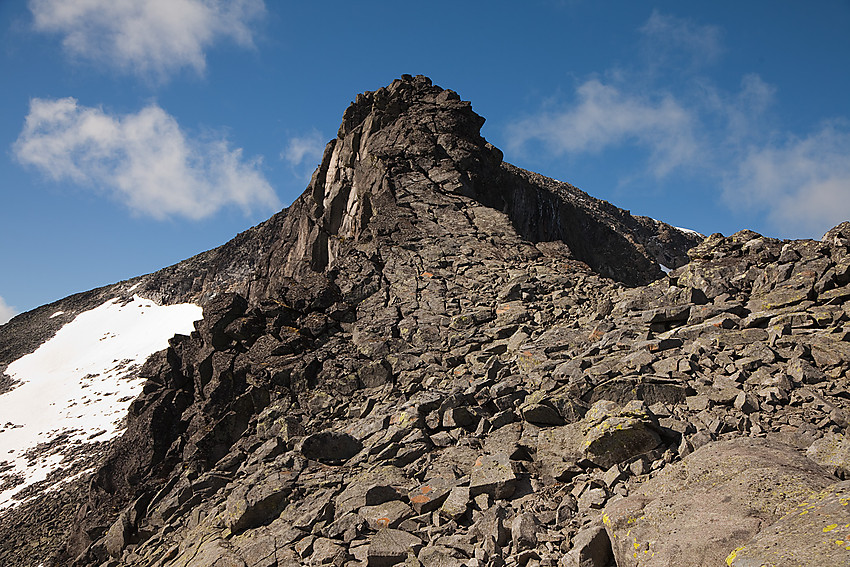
pixel 590 548
pixel 608 435
pixel 370 488
pixel 695 512
pixel 389 547
pixel 330 447
pixel 257 501
pixel 493 475
pixel 832 452
pixel 815 532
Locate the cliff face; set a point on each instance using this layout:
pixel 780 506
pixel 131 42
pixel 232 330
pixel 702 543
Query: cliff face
pixel 436 358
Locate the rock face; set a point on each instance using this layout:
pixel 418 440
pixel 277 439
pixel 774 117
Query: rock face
pixel 435 358
pixel 698 510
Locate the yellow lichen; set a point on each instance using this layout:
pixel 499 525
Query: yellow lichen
pixel 733 555
pixel 830 527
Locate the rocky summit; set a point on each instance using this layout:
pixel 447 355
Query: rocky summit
pixel 434 358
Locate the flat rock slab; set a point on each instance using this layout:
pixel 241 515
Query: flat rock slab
pixel 455 506
pixel 431 494
pixel 387 515
pixel 370 488
pixel 696 512
pixel 389 547
pixel 255 503
pixel 494 475
pixel 816 532
pixel 438 556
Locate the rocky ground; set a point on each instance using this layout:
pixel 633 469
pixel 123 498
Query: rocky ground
pixel 424 376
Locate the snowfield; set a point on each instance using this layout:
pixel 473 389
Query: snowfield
pixel 76 388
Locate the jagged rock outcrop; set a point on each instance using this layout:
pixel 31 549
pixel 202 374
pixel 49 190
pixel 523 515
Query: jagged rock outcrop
pixel 425 361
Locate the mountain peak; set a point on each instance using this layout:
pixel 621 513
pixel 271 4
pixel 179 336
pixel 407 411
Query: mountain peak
pixel 408 137
pixel 390 102
pixel 413 140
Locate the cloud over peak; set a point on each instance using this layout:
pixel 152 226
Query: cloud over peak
pixel 803 183
pixel 606 115
pixel 151 37
pixel 143 160
pixel 700 135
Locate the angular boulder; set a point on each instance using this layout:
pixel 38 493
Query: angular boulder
pixel 389 547
pixel 832 452
pixel 330 447
pixel 696 512
pixel 608 435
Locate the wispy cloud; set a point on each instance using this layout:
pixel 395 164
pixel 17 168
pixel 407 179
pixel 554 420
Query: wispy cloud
pixel 690 127
pixel 803 184
pixel 143 160
pixel 605 115
pixel 304 148
pixel 6 312
pixel 673 41
pixel 303 153
pixel 151 37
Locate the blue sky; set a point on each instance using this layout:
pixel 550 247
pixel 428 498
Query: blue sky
pixel 135 134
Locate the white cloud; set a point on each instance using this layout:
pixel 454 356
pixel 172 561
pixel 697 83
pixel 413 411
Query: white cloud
pixel 745 110
pixel 148 37
pixel 803 184
pixel 695 129
pixel 143 160
pixel 680 42
pixel 6 312
pixel 307 148
pixel 605 115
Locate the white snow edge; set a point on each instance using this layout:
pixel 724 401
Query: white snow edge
pixel 80 383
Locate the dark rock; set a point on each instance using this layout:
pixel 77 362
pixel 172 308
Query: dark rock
pixel 524 531
pixel 430 495
pixel 330 447
pixel 456 504
pixel 251 505
pixel 386 515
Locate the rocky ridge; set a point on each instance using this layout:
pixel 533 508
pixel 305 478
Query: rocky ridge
pixel 425 361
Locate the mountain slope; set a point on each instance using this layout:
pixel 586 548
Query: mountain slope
pixel 435 357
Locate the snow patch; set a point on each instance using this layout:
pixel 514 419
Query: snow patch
pixel 689 231
pixel 664 268
pixel 57 314
pixel 679 228
pixel 76 387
